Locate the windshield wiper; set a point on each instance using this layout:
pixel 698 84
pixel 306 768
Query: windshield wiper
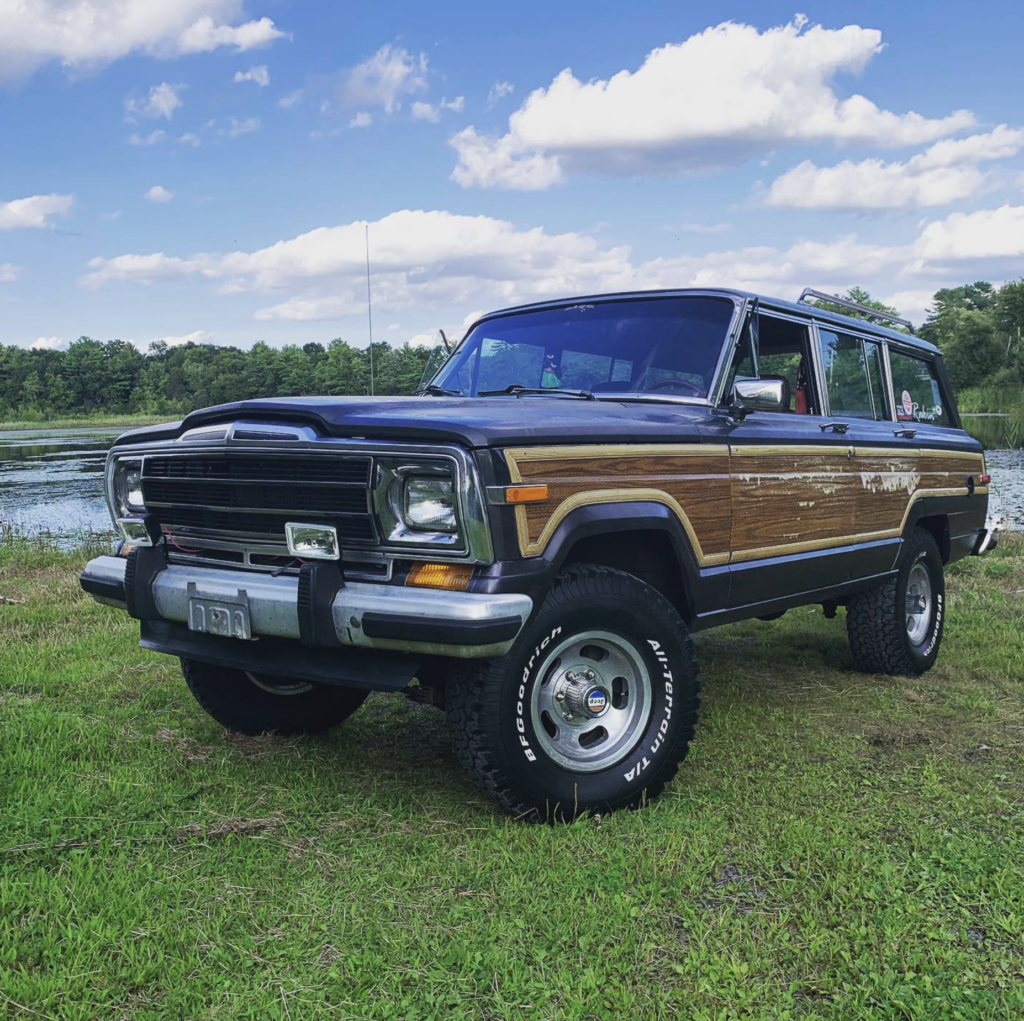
pixel 433 390
pixel 518 390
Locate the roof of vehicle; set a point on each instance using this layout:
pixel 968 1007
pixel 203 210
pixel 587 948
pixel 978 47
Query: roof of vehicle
pixel 779 304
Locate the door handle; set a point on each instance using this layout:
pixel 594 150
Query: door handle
pixel 907 433
pixel 836 427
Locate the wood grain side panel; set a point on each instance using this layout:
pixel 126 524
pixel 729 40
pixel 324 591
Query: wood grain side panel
pixel 692 481
pixel 762 501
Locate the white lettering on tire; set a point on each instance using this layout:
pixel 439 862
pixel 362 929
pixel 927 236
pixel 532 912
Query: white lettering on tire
pixel 659 738
pixel 530 754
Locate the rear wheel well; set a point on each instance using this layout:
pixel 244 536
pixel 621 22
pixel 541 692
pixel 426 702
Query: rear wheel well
pixel 646 554
pixel 938 526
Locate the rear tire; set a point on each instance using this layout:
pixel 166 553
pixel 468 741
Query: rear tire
pixel 592 709
pixel 897 627
pixel 259 703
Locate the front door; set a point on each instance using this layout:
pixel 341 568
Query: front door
pixel 792 481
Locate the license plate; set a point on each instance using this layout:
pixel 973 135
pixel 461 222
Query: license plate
pixel 217 615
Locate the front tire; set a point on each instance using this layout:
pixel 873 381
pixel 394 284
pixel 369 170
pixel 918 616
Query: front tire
pixel 592 709
pixel 897 627
pixel 259 703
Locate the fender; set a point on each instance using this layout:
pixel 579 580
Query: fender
pixel 705 589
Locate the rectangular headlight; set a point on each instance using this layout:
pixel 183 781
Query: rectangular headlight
pixel 128 486
pixel 429 504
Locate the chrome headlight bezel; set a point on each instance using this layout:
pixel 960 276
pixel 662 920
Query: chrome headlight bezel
pixel 396 481
pixel 124 486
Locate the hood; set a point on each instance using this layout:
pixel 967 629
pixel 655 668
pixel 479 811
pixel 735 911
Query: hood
pixel 471 422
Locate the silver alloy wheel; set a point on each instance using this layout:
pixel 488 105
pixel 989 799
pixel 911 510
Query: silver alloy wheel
pixel 591 701
pixel 919 603
pixel 283 686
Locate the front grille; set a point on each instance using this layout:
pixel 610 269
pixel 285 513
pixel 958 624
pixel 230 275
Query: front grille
pixel 347 470
pixel 245 499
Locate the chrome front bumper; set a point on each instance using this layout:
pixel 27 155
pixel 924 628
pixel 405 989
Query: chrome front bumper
pixel 431 622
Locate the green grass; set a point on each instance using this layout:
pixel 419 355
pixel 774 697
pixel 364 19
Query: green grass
pixel 838 845
pixel 81 422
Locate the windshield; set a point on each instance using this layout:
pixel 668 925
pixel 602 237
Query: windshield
pixel 666 346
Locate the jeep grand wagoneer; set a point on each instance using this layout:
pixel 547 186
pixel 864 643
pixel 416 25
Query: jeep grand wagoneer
pixel 533 538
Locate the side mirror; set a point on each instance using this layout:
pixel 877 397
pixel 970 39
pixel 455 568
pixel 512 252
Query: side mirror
pixel 758 394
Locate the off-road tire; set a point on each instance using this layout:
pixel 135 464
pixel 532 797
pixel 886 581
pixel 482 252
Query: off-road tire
pixel 491 724
pixel 876 620
pixel 239 702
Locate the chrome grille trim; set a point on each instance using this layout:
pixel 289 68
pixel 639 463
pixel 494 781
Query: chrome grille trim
pixel 475 546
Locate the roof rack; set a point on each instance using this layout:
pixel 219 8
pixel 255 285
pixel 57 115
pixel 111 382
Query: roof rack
pixel 867 310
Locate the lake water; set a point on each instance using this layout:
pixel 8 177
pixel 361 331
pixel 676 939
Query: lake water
pixel 51 480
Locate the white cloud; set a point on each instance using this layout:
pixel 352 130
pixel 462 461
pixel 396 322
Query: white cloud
pixel 913 304
pixel 943 173
pixel 286 102
pixel 237 127
pixel 206 35
pixel 158 193
pixel 715 100
pixel 151 139
pixel 34 211
pixel 703 228
pixel 49 344
pixel 195 337
pixel 498 91
pixel 383 79
pixel 440 262
pixel 9 272
pixel 985 234
pixel 425 112
pixel 497 163
pixel 432 112
pixel 86 34
pixel 162 101
pixel 190 139
pixel 259 74
pixel 361 120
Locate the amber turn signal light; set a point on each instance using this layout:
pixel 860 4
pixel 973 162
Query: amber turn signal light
pixel 454 577
pixel 525 494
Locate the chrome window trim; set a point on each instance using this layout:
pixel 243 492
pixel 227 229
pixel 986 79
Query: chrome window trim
pixel 477 547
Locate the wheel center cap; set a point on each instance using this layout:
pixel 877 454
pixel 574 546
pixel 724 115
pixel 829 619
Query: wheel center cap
pixel 581 696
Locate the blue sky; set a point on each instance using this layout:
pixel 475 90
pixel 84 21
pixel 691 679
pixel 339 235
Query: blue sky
pixel 145 193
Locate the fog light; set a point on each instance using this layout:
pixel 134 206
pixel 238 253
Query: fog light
pixel 134 531
pixel 312 542
pixel 455 577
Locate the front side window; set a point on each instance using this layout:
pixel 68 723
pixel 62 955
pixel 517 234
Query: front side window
pixel 784 354
pixel 917 390
pixel 667 346
pixel 853 377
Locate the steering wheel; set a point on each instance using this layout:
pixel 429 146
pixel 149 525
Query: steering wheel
pixel 675 382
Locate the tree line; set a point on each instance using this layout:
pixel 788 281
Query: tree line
pixel 978 327
pixel 115 378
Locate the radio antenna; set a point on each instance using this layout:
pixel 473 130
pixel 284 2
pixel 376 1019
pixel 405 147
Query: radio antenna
pixel 369 305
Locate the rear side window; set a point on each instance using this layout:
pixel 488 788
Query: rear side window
pixel 917 390
pixel 853 376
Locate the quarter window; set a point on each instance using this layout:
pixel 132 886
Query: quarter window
pixel 916 389
pixel 853 376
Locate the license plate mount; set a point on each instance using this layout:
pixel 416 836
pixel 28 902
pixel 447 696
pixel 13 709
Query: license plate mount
pixel 219 615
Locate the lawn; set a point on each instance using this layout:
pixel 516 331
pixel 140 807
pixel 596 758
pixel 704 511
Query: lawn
pixel 838 845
